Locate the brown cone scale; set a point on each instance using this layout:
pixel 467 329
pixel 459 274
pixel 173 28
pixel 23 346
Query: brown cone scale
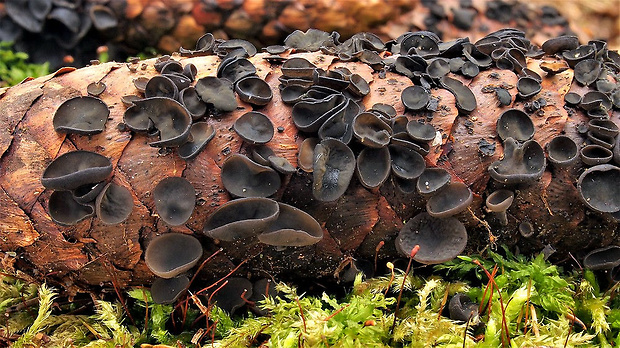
pixel 92 253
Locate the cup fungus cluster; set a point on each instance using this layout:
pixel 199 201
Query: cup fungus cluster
pixel 369 134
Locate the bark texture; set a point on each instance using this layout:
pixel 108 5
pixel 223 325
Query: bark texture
pixel 92 253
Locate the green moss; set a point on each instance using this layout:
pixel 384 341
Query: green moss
pixel 541 305
pixel 14 66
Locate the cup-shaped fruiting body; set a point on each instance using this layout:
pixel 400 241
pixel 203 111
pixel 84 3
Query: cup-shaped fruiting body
pixel 76 168
pixel 81 115
pixel 562 151
pixel 175 199
pixel 334 166
pixel 595 154
pixel 440 239
pixel 114 204
pixel 451 200
pixel 433 180
pixel 292 228
pixel 462 308
pixel 243 177
pixel 498 202
pixel 254 127
pixel 603 258
pixel 171 254
pixel 373 166
pixel 241 218
pixel 599 189
pixel 515 123
pixel 522 163
pixel 168 290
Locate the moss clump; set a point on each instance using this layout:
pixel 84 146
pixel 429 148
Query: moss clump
pixel 526 302
pixel 14 66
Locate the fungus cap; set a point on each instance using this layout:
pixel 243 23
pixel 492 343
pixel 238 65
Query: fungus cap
pixel 243 177
pixel 440 239
pixel 241 218
pixel 81 115
pixel 167 291
pixel 74 169
pixel 171 254
pixel 599 189
pixel 603 258
pixel 451 200
pixel 114 204
pixel 175 199
pixel 332 170
pixel 293 227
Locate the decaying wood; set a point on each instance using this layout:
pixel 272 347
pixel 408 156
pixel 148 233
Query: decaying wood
pixel 90 253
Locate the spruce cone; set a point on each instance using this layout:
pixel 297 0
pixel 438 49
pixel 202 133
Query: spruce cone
pixel 488 133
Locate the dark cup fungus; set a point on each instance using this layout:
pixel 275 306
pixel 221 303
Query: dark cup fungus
pixel 254 90
pixel 340 124
pixel 595 100
pixel 233 294
pixel 407 163
pixel 200 134
pixel 358 86
pixel 74 169
pixel 64 210
pixel 603 127
pixel 333 168
pixel 559 44
pixel 292 228
pixel 161 86
pixel 305 157
pixel 254 127
pixel 599 189
pixel 241 218
pixel 217 92
pixel 95 88
pixel 438 67
pixel 81 115
pixel 171 254
pixel 171 120
pixel 371 131
pixel 415 97
pixel 292 94
pixel 88 193
pixel 422 132
pixel 309 115
pixel 166 291
pixel 281 165
pixel 528 87
pixel 403 139
pixel 432 180
pixel 440 240
pixel 192 102
pixel 514 123
pixel 572 98
pixel 603 258
pixel 114 204
pixel 298 68
pixel 526 229
pixel 595 154
pixel 465 99
pixel 587 71
pixel 175 199
pixel 235 68
pixel 243 177
pixel 522 163
pixel 463 309
pixel 373 166
pixel 562 151
pixel 261 154
pixel 578 54
pixel 498 202
pixel 451 200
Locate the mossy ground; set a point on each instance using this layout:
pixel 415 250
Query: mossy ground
pixel 541 305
